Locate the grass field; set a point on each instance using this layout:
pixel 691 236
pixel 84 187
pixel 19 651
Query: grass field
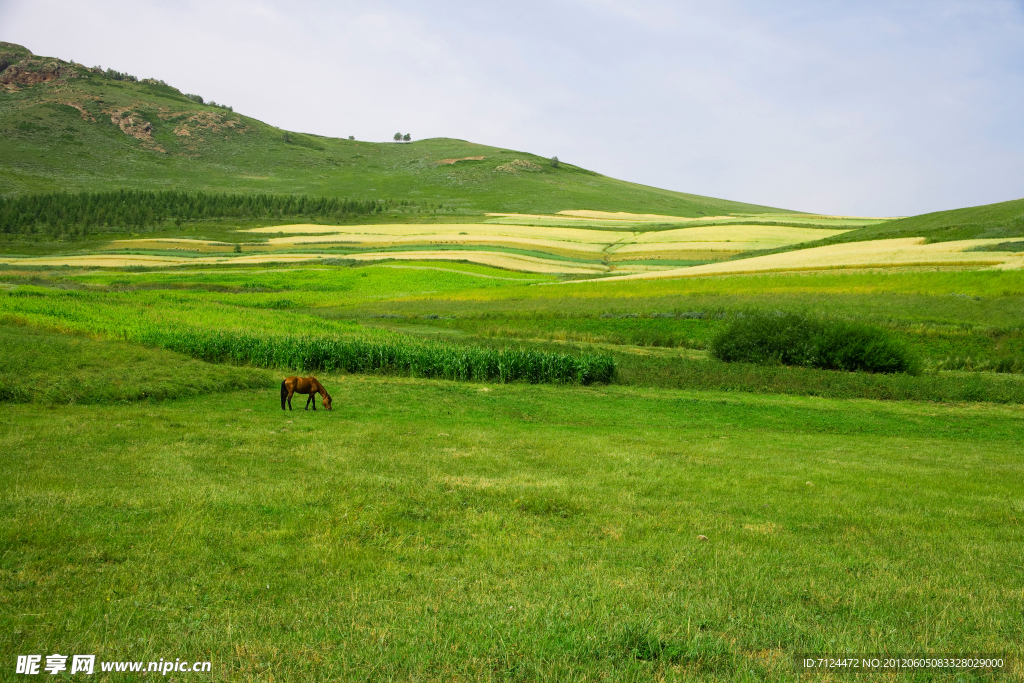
pixel 597 498
pixel 442 531
pixel 435 530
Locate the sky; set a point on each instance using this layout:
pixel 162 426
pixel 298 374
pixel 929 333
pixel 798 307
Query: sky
pixel 865 108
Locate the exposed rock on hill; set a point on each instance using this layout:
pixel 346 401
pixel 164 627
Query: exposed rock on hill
pixel 134 125
pixel 18 66
pixel 31 72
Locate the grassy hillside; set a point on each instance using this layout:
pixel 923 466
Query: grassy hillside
pixel 70 128
pixel 1005 219
pixel 989 221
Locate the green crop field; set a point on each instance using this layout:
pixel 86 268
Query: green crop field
pixel 526 476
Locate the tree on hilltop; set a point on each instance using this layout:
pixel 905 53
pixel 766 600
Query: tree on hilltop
pixel 407 137
pixel 398 137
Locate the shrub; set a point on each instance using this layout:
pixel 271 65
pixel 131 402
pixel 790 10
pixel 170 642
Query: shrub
pixel 119 76
pixel 795 339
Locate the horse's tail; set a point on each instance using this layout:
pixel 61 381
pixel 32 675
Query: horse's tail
pixel 284 394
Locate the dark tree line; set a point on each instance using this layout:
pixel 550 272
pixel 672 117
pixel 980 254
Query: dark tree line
pixel 62 213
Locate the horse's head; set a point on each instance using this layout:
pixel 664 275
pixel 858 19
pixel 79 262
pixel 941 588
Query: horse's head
pixel 327 402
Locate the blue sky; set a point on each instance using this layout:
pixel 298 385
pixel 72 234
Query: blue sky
pixel 864 108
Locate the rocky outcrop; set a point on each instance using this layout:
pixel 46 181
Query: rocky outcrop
pixel 135 126
pixel 33 71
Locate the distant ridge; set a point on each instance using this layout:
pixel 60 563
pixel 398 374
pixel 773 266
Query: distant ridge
pixel 68 127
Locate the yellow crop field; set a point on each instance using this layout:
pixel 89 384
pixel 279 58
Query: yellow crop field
pixel 129 260
pixel 171 243
pixel 488 258
pixel 445 229
pixel 635 250
pixel 532 243
pixel 764 236
pixel 497 259
pixel 624 220
pixel 634 217
pixel 561 240
pixel 97 260
pixel 892 253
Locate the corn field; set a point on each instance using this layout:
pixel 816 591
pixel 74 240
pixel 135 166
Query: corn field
pixel 428 360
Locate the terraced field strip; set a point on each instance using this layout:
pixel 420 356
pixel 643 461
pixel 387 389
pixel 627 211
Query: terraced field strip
pixel 495 259
pixel 647 222
pixel 429 230
pixel 130 260
pixel 592 251
pixel 692 243
pixel 892 253
pixel 555 246
pixel 165 243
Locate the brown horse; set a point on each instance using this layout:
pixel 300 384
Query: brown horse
pixel 304 385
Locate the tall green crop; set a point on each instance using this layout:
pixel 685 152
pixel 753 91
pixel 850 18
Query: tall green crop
pixel 416 359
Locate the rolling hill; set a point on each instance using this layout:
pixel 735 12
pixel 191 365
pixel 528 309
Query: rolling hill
pixel 67 127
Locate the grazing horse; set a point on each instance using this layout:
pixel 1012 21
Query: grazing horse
pixel 304 385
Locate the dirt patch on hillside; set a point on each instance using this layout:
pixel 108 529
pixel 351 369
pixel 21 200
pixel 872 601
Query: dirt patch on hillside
pixel 205 121
pixel 135 126
pixel 452 161
pixel 517 165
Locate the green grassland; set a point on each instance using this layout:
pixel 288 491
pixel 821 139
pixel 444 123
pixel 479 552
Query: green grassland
pixel 688 520
pixel 437 531
pixel 43 367
pixel 967 322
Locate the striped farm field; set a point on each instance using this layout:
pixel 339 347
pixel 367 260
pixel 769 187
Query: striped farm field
pixel 497 259
pixel 153 261
pixel 556 246
pixel 568 250
pixel 743 233
pixel 645 222
pixel 905 252
pixel 432 230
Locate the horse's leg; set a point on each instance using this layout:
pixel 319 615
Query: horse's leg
pixel 308 400
pixel 290 392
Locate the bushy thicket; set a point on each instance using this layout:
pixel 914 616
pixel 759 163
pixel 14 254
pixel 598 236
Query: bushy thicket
pixel 801 340
pixel 119 76
pixel 84 212
pixel 430 360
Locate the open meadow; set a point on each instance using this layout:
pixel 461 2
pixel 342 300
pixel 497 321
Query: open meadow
pixel 429 529
pixel 582 429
